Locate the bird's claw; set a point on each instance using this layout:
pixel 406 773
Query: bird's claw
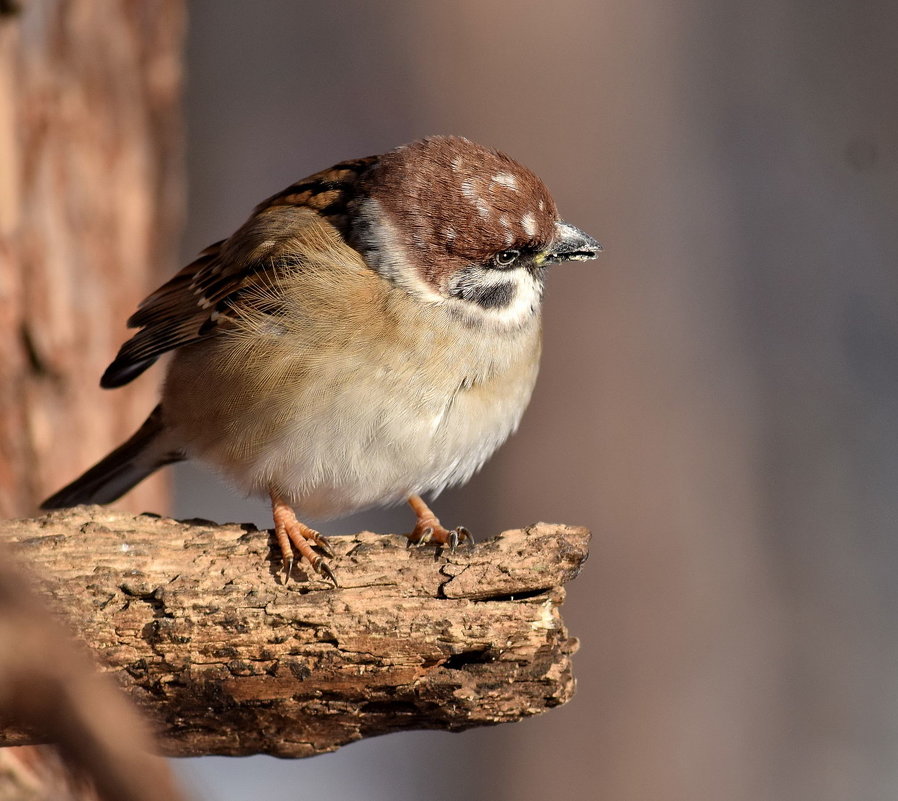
pixel 319 565
pixel 425 537
pixel 437 535
pixel 324 546
pixel 297 539
pixel 459 535
pixel 324 569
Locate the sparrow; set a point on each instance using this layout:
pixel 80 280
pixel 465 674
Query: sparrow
pixel 370 334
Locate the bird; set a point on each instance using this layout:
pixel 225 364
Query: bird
pixel 371 334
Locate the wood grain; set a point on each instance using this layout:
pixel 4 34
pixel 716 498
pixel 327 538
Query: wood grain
pixel 199 627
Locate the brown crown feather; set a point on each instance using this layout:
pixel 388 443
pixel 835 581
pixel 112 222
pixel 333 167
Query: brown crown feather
pixel 454 202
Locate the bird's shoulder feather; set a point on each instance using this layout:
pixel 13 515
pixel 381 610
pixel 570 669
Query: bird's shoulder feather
pixel 301 227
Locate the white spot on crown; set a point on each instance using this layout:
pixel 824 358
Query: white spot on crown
pixel 506 179
pixel 469 189
pixel 509 234
pixel 528 222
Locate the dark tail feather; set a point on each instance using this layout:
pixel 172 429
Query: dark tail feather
pixel 127 465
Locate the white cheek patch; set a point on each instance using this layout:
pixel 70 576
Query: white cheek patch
pixel 383 245
pixel 528 223
pixel 523 306
pixel 525 296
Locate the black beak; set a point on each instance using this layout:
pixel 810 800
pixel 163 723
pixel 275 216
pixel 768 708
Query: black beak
pixel 571 244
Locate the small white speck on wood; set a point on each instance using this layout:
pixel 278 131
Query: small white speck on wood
pixel 197 625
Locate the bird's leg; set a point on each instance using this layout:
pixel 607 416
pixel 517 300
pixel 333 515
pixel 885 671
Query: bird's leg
pixel 294 536
pixel 429 530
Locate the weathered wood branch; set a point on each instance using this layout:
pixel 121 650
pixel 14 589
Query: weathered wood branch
pixel 199 628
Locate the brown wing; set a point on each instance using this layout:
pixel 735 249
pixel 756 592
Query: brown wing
pixel 193 304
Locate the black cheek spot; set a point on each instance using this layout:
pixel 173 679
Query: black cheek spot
pixel 495 296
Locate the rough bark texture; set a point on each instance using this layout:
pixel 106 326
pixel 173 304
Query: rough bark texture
pixel 197 624
pixel 90 207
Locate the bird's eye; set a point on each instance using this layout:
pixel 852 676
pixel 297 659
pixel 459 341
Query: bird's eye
pixel 505 258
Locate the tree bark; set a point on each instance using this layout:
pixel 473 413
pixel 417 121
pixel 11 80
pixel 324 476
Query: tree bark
pixel 198 626
pixel 91 190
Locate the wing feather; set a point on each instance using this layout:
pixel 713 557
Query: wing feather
pixel 282 231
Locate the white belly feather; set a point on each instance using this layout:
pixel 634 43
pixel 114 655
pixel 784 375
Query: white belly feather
pixel 379 444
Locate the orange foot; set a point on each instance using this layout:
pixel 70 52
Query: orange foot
pixel 293 536
pixel 429 530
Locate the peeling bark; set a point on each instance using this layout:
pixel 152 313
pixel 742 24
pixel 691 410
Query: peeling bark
pixel 197 624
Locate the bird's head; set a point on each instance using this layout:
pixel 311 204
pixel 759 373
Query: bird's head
pixel 463 226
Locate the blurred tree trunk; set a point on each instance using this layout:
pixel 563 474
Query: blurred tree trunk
pixel 91 193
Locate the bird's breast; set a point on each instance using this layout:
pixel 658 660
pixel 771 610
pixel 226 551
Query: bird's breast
pixel 358 404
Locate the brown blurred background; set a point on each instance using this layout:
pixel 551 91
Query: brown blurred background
pixel 719 393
